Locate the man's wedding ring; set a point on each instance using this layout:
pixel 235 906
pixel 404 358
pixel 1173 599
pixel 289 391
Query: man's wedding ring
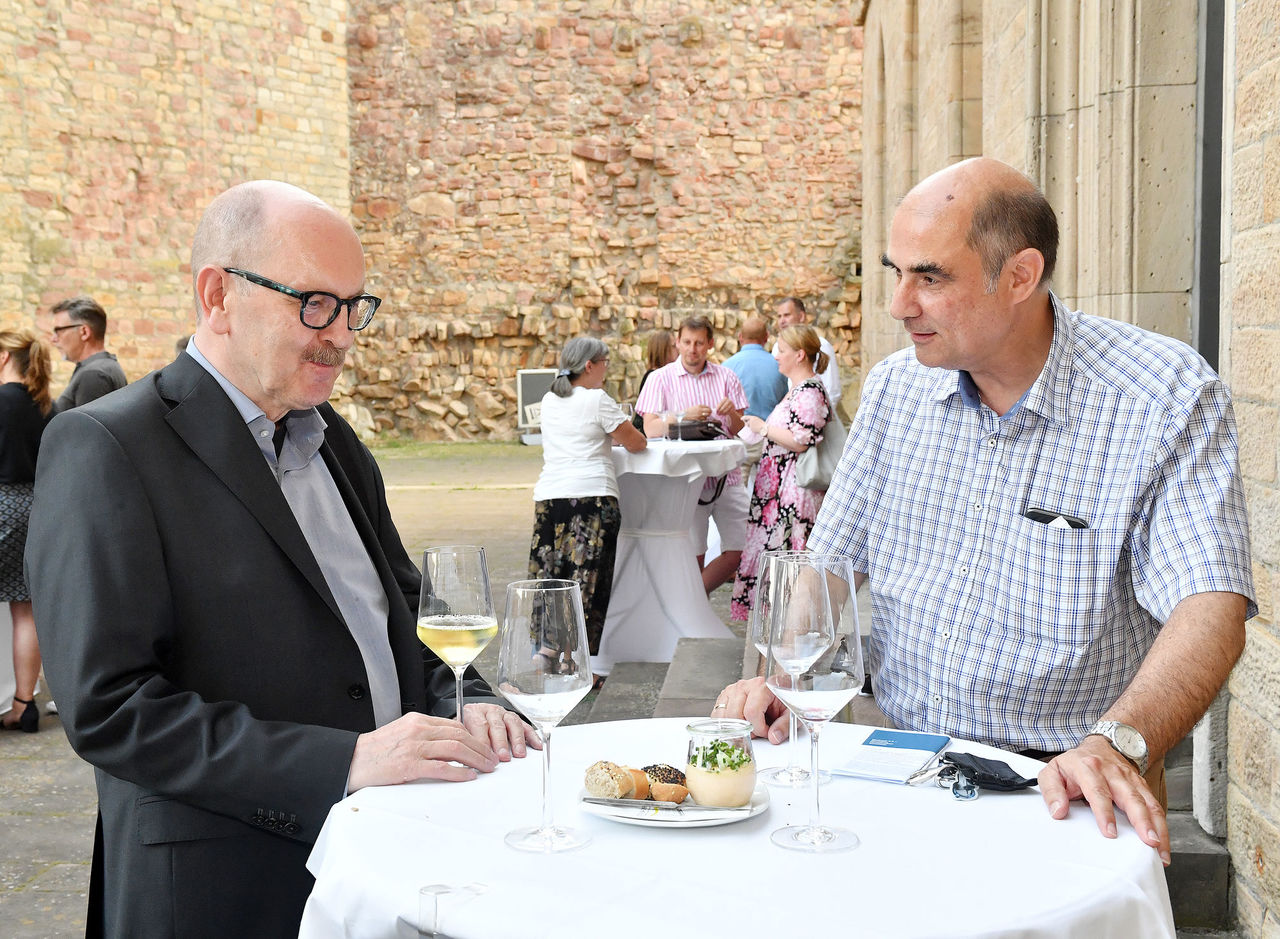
pixel 720 706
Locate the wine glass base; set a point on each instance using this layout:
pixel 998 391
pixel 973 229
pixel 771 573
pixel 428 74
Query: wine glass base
pixel 817 840
pixel 791 777
pixel 547 840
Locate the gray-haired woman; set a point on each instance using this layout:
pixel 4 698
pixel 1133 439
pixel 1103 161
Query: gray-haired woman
pixel 576 514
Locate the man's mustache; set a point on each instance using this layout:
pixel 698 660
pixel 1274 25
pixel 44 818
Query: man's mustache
pixel 324 355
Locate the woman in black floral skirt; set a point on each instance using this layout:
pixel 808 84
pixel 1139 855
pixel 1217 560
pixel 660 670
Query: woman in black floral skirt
pixel 576 514
pixel 24 409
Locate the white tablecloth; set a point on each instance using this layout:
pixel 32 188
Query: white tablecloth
pixel 657 588
pixel 928 865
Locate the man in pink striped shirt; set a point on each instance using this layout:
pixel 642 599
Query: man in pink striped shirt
pixel 696 389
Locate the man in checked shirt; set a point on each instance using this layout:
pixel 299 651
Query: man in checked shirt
pixel 1047 506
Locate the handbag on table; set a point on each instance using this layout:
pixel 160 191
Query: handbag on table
pixel 696 430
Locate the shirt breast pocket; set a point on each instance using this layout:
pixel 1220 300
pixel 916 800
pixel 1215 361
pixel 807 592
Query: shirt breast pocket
pixel 1059 579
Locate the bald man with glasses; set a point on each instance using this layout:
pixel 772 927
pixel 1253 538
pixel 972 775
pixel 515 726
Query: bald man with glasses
pixel 239 649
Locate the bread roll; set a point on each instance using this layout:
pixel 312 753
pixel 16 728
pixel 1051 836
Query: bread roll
pixel 607 780
pixel 641 781
pixel 666 783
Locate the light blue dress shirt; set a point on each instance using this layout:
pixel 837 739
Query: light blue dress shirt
pixel 326 523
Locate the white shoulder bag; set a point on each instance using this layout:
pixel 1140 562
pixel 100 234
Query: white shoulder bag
pixel 815 466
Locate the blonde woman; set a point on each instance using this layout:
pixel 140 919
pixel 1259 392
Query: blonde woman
pixel 24 410
pixel 782 513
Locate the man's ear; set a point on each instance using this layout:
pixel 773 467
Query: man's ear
pixel 211 291
pixel 1023 272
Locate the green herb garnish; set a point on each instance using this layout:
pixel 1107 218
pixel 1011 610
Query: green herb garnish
pixel 718 756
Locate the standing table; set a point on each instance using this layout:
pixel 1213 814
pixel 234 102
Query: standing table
pixel 657 588
pixel 928 865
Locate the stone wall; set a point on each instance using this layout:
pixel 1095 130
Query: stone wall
pixel 121 120
pixel 520 171
pixel 523 172
pixel 1251 328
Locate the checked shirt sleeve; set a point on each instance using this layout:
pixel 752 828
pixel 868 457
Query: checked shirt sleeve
pixel 1193 534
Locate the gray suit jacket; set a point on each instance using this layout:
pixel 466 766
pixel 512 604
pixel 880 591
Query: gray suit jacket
pixel 198 657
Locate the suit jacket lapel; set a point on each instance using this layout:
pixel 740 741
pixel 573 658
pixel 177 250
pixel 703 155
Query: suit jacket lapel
pixel 204 417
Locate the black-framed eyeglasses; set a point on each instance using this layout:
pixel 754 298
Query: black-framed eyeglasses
pixel 58 329
pixel 318 308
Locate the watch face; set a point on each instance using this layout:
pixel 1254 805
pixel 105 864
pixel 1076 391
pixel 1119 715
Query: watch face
pixel 1130 741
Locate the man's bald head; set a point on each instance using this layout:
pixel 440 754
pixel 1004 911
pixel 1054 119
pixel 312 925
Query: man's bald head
pixel 1004 210
pixel 755 330
pixel 248 222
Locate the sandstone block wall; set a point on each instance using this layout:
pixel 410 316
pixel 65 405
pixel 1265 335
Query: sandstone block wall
pixel 523 172
pixel 1251 333
pixel 122 119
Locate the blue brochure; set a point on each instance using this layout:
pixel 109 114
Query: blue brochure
pixel 893 755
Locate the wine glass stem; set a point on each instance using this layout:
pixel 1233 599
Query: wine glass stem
pixel 457 676
pixel 795 739
pixel 547 822
pixel 814 812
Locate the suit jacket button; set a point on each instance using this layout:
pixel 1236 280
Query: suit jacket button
pixel 356 691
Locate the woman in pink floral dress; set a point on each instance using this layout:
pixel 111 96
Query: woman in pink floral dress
pixel 782 513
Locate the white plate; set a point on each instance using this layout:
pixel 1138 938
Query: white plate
pixel 669 818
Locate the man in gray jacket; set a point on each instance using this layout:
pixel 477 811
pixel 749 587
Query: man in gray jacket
pixel 80 332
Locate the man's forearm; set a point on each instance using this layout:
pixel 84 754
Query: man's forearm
pixel 1187 665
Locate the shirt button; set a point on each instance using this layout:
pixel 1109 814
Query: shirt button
pixel 264 433
pixel 937 699
pixel 964 569
pixel 356 692
pixel 977 506
pixel 991 442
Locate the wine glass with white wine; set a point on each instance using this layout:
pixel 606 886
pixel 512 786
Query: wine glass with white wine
pixel 455 612
pixel 813 671
pixel 544 670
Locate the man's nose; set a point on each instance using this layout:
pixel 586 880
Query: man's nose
pixel 338 333
pixel 901 303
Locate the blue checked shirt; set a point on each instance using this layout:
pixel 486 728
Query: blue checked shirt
pixel 998 628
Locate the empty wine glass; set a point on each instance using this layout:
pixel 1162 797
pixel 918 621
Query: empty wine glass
pixel 813 671
pixel 793 775
pixel 544 670
pixel 455 612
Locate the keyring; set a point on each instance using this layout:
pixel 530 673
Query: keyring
pixel 962 787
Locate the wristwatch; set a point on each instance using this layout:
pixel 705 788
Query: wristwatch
pixel 1125 740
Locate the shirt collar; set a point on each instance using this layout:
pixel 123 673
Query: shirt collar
pixel 1048 396
pixel 305 428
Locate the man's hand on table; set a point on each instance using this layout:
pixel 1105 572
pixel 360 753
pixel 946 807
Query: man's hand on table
pixel 752 700
pixel 505 732
pixel 1093 771
pixel 1096 772
pixel 416 746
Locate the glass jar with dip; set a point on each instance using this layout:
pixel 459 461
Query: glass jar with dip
pixel 721 769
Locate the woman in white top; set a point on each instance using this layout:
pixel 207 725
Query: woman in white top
pixel 576 514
